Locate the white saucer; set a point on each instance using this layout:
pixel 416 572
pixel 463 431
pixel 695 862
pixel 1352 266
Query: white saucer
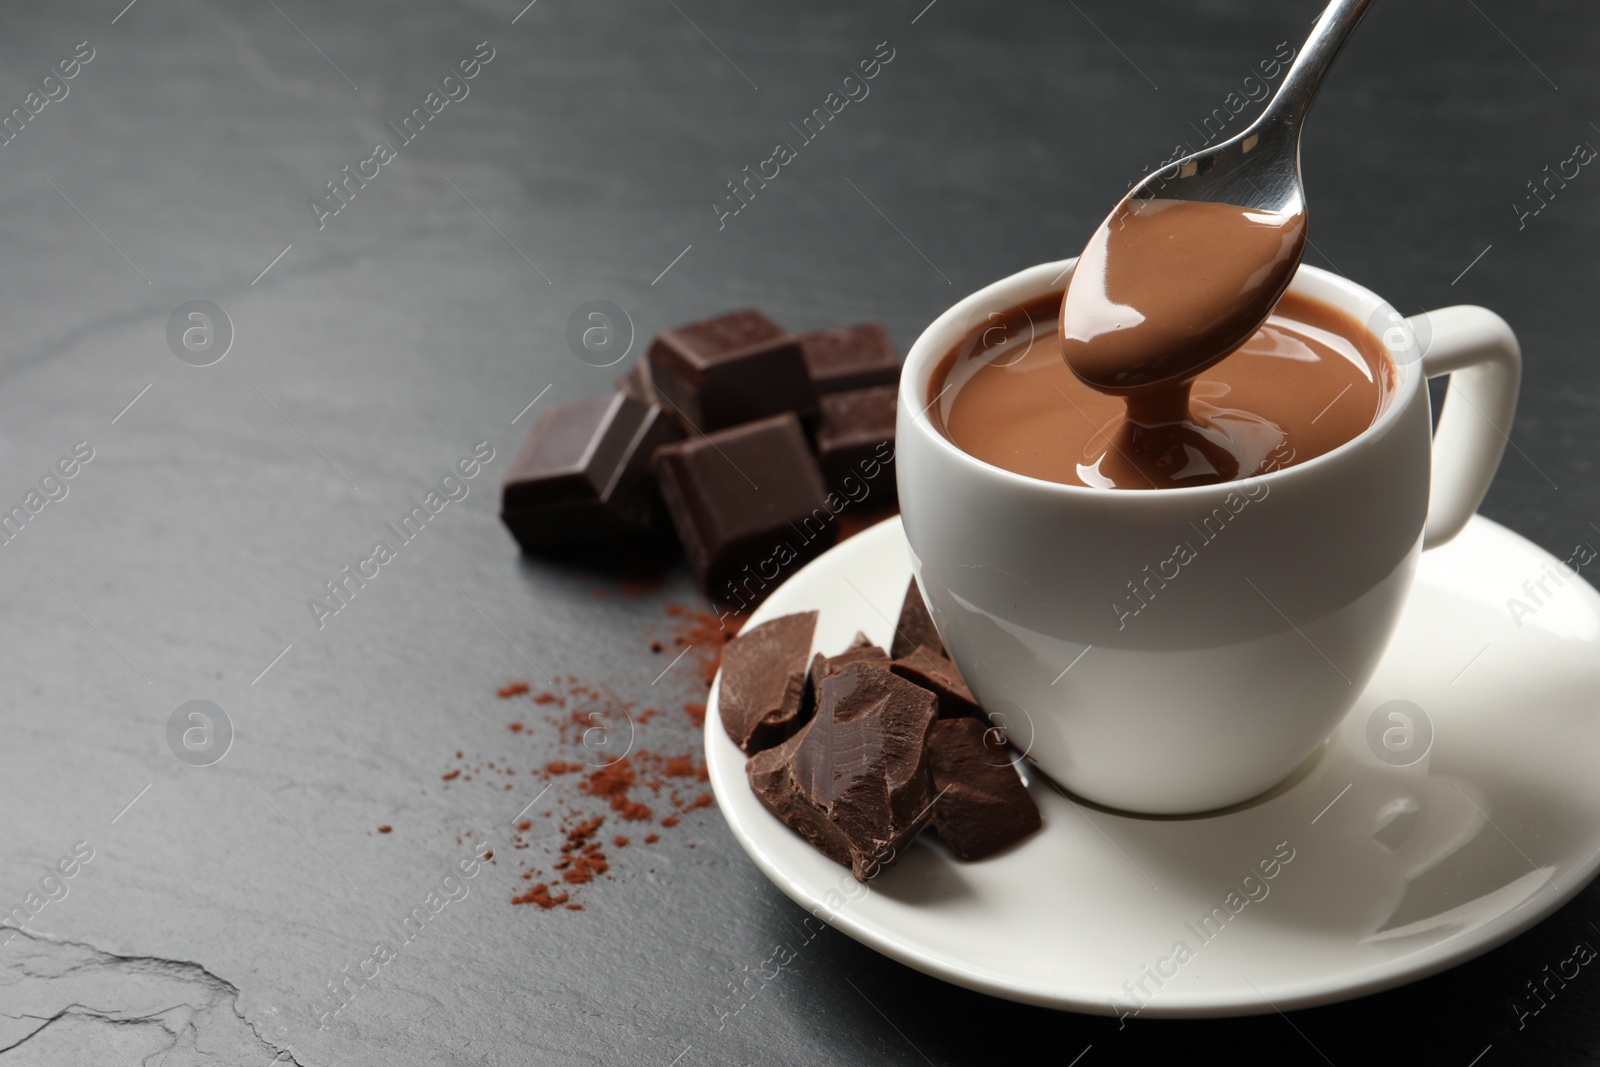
pixel 1396 872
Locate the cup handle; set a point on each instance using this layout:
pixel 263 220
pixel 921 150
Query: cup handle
pixel 1480 353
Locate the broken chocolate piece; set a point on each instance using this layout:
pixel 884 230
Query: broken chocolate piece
pixel 920 657
pixel 762 694
pixel 734 368
pixel 583 475
pixel 855 442
pixel 981 805
pixel 915 627
pixel 861 650
pixel 748 504
pixel 854 781
pixel 936 673
pixel 850 357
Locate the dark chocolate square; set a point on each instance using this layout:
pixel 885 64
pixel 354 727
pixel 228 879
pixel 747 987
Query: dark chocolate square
pixel 850 357
pixel 584 473
pixel 748 504
pixel 734 368
pixel 855 442
pixel 638 384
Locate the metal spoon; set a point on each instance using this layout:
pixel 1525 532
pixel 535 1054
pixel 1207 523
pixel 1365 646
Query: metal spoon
pixel 1260 168
pixel 1212 277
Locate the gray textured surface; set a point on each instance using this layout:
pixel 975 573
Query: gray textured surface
pixel 179 564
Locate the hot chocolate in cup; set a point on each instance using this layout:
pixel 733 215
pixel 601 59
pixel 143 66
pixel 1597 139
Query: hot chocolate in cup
pixel 1176 650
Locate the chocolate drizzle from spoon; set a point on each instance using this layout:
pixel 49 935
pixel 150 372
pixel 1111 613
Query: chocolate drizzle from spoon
pixel 1164 290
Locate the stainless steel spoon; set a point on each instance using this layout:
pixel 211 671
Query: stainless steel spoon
pixel 1160 295
pixel 1260 167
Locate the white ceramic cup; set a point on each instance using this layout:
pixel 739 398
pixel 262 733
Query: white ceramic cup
pixel 1154 680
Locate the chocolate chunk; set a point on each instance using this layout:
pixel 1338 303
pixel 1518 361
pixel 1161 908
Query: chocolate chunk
pixel 762 694
pixel 915 626
pixel 854 781
pixel 638 384
pixel 734 368
pixel 855 442
pixel 748 504
pixel 850 357
pixel 583 474
pixel 861 650
pixel 937 673
pixel 920 656
pixel 982 805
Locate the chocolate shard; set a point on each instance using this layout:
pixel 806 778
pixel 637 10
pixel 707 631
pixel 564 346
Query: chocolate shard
pixel 748 504
pixel 583 475
pixel 915 627
pixel 762 696
pixel 850 357
pixel 982 805
pixel 935 672
pixel 861 650
pixel 855 442
pixel 854 781
pixel 734 368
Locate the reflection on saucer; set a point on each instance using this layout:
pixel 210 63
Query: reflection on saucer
pixel 1456 870
pixel 1474 913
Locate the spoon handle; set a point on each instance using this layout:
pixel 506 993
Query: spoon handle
pixel 1338 20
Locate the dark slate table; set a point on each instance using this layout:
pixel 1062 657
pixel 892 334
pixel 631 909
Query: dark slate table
pixel 366 351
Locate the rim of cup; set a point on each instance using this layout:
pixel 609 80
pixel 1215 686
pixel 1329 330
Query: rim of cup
pixel 944 332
